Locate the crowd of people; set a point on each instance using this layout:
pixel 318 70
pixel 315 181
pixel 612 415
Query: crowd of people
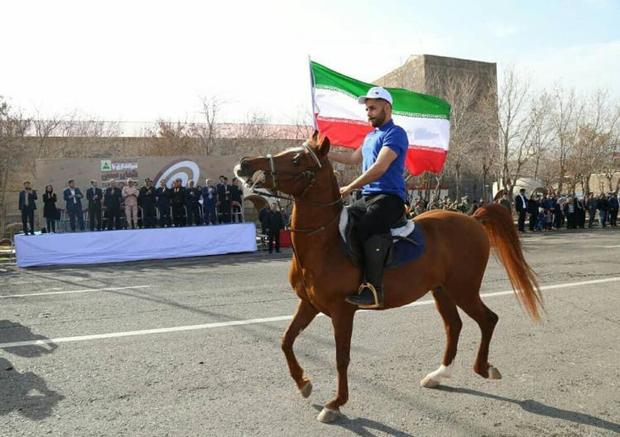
pixel 541 212
pixel 132 207
pixel 548 211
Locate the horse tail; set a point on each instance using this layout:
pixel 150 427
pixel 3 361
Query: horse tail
pixel 500 229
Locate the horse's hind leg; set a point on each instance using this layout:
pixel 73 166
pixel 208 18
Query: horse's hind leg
pixel 486 320
pixel 304 315
pixel 453 324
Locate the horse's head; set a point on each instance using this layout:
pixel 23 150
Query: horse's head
pixel 292 171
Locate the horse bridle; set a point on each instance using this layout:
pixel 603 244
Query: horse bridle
pixel 309 174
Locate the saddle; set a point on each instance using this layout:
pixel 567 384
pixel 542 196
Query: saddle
pixel 408 242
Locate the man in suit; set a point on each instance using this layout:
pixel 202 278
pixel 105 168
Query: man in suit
pixel 236 201
pixel 94 196
pixel 275 223
pixel 612 203
pixel 73 198
pixel 112 199
pixel 178 199
pixel 532 209
pixel 147 200
pixel 163 204
pixel 521 207
pixel 209 198
pixel 192 199
pixel 27 205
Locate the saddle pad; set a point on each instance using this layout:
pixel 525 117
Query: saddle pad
pixel 408 242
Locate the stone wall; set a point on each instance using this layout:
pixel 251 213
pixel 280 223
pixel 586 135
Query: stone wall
pixel 24 163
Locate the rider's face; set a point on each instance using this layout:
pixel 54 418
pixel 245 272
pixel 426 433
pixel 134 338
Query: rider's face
pixel 377 111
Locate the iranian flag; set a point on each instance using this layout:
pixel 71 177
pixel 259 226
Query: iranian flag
pixel 339 116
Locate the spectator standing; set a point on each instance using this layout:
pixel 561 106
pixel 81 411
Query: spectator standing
pixel 223 200
pixel 192 199
pixel 580 206
pixel 275 223
pixel 147 200
pixel 570 213
pixel 521 207
pixel 263 216
pixel 27 206
pixel 112 198
pixel 591 206
pixel 177 199
pixel 532 210
pixel 558 214
pixel 94 196
pixel 163 204
pixel 130 197
pixel 236 201
pixel 209 199
pixel 50 212
pixel 73 199
pixel 612 203
pixel 602 205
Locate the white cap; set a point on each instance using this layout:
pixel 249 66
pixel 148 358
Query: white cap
pixel 376 93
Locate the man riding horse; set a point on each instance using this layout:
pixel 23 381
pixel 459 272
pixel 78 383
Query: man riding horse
pixel 382 156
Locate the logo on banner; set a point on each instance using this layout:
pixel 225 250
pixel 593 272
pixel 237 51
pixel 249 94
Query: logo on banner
pixel 185 170
pixel 106 165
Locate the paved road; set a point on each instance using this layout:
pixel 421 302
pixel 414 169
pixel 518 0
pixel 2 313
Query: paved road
pixel 158 348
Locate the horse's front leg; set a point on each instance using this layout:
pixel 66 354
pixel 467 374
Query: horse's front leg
pixel 343 328
pixel 304 315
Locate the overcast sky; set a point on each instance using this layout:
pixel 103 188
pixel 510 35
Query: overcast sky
pixel 143 60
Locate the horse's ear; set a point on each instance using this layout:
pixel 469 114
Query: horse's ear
pixel 324 146
pixel 315 136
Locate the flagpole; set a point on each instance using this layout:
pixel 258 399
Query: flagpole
pixel 312 92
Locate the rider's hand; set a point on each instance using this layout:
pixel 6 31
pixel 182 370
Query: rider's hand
pixel 346 190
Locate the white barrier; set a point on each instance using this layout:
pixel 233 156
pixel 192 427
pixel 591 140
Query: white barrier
pixel 133 245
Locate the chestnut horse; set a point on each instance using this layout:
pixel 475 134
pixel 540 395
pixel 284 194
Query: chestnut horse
pixel 322 275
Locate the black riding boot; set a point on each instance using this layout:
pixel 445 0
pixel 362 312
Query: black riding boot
pixel 370 293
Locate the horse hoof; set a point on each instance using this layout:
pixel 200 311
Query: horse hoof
pixel 429 382
pixel 494 373
pixel 306 389
pixel 328 415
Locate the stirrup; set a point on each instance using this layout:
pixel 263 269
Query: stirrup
pixel 375 295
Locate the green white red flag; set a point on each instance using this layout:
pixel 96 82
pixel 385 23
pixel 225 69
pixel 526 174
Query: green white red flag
pixel 339 116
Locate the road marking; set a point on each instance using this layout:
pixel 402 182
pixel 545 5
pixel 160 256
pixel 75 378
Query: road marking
pixel 86 290
pixel 256 321
pixel 60 279
pixel 610 247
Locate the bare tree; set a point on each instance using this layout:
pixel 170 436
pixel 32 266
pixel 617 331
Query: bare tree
pixel 208 128
pixel 254 126
pixel 565 117
pixel 463 94
pixel 542 135
pixel 44 128
pixel 516 122
pixel 13 127
pixel 172 138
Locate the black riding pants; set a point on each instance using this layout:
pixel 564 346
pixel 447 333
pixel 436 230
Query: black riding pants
pixel 376 214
